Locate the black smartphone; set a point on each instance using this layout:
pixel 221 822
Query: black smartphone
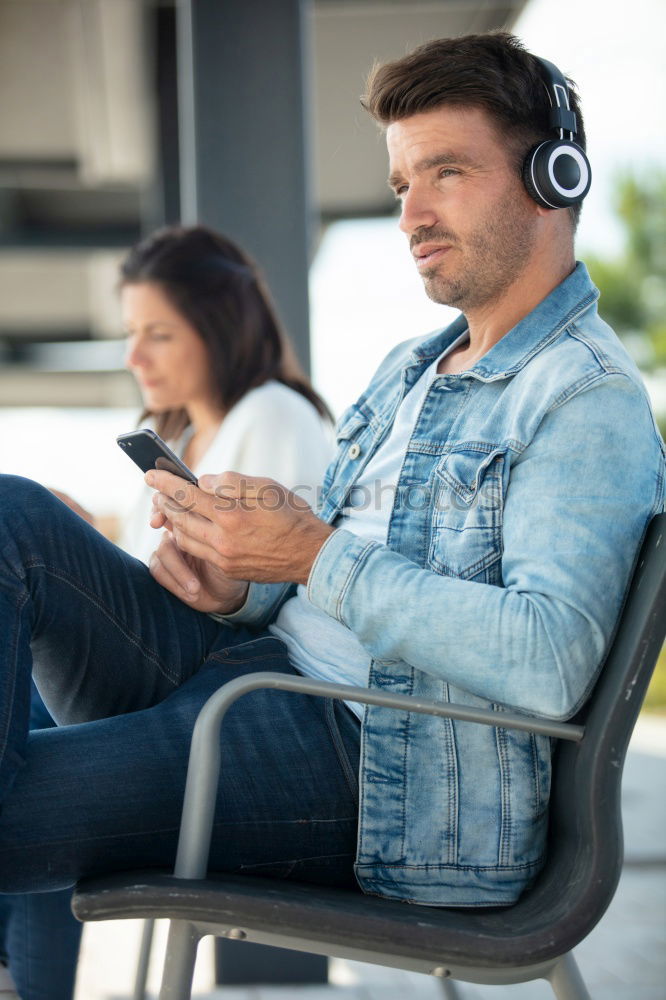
pixel 149 451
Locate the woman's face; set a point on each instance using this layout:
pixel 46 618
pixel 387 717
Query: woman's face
pixel 164 352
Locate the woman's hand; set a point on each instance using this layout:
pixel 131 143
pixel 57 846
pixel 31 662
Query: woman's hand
pixel 247 528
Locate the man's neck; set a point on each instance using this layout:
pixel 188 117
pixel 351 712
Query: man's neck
pixel 490 322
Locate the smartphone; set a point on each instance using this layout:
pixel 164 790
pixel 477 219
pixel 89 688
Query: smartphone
pixel 149 451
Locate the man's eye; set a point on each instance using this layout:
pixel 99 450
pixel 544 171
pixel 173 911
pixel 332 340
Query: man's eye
pixel 448 172
pixel 399 191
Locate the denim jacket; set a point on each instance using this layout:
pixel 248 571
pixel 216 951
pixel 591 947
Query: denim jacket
pixel 525 491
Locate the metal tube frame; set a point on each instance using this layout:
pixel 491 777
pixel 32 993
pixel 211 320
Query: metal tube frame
pixel 204 770
pixel 566 980
pixel 143 962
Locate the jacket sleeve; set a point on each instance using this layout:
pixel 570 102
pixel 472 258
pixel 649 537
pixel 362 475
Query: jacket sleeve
pixel 261 605
pixel 577 503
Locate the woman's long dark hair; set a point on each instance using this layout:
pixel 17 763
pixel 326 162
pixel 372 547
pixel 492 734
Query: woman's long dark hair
pixel 217 288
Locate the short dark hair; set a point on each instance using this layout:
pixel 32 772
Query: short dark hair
pixel 219 291
pixel 492 71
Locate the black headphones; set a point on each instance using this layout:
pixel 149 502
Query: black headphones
pixel 557 172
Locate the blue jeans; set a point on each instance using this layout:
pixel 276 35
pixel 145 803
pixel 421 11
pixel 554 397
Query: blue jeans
pixel 124 668
pixel 39 936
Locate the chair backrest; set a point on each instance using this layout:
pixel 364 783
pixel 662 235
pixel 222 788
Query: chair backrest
pixel 585 838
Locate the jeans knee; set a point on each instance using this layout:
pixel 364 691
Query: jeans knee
pixel 23 503
pixel 13 489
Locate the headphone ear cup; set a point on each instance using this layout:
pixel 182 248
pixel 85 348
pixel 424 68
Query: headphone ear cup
pixel 530 175
pixel 557 174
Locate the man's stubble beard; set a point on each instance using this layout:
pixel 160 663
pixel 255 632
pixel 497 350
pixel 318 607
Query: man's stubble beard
pixel 492 258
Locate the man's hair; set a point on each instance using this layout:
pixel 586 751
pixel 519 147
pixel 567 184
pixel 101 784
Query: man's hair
pixel 493 72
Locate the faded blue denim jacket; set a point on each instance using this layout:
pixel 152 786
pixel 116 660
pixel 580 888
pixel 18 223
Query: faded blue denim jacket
pixel 525 491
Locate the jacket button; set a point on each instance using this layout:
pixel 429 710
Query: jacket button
pixel 354 451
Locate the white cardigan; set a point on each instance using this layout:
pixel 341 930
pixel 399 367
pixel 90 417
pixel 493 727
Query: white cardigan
pixel 272 431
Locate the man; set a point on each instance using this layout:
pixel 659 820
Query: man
pixel 523 466
pixel 521 445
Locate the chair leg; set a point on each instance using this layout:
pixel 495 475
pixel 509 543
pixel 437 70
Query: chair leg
pixel 181 954
pixel 144 960
pixel 450 990
pixel 566 980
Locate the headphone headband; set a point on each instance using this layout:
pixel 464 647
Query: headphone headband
pixel 561 115
pixel 556 172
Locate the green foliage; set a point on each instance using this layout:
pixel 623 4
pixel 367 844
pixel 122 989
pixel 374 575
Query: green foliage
pixel 655 699
pixel 633 285
pixel 633 301
pixel 661 424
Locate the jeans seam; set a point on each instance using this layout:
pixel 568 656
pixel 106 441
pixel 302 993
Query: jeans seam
pixel 283 822
pixel 27 966
pixel 340 749
pixel 176 828
pixel 223 655
pixel 293 862
pixel 127 633
pixel 106 836
pixel 22 601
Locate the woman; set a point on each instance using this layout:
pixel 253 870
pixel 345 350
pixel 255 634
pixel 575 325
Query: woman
pixel 218 379
pixel 220 383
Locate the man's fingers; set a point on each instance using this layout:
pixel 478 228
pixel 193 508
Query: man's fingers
pixel 189 533
pixel 230 483
pixel 186 524
pixel 224 494
pixel 178 495
pixel 199 544
pixel 158 520
pixel 170 569
pixel 231 490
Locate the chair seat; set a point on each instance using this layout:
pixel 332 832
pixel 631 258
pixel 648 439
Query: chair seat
pixel 329 921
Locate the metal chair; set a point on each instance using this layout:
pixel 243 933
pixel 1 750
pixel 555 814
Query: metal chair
pixel 532 939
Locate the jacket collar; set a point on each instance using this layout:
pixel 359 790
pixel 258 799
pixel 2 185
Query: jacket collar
pixel 574 296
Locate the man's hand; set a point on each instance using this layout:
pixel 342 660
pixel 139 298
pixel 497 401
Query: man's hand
pixel 199 583
pixel 243 527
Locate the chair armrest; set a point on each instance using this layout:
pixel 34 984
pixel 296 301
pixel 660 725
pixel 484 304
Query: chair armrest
pixel 204 764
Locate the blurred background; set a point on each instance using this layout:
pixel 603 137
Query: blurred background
pixel 117 116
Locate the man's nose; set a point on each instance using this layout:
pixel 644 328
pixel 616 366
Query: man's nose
pixel 417 211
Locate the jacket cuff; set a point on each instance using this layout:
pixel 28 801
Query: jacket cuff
pixel 261 601
pixel 338 561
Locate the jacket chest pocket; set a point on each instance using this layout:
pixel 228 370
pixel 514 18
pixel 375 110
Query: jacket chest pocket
pixel 467 517
pixel 353 438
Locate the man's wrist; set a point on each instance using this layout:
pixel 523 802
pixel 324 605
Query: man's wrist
pixel 310 550
pixel 231 606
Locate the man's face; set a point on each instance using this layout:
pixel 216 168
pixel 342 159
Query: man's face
pixel 471 225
